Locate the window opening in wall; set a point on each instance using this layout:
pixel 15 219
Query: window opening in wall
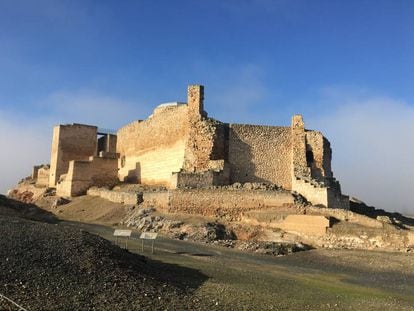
pixel 101 143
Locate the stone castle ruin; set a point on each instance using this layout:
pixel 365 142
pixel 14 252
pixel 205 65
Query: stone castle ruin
pixel 179 147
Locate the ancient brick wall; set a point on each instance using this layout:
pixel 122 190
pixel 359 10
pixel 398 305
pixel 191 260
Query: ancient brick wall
pixel 70 142
pixel 260 154
pixel 152 149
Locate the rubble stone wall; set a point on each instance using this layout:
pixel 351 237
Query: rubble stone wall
pixel 129 198
pixel 260 154
pixel 151 150
pixel 229 204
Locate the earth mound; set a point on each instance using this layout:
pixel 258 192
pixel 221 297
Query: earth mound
pixel 55 267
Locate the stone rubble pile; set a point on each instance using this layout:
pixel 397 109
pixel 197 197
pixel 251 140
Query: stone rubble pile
pixel 215 233
pixel 141 219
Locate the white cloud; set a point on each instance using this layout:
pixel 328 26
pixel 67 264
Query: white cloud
pixel 23 145
pixel 373 146
pixel 26 137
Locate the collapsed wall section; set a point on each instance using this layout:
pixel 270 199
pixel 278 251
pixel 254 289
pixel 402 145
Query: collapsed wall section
pixel 311 167
pixel 260 154
pixel 151 150
pixel 206 148
pixel 107 143
pixel 40 174
pixel 318 155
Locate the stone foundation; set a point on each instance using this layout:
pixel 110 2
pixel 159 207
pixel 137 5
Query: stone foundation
pixel 82 175
pixel 129 198
pixel 305 224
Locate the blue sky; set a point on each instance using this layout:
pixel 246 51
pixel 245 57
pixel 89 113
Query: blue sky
pixel 111 62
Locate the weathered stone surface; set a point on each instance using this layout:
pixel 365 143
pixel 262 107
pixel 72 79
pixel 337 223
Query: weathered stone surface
pixel 70 142
pixel 306 224
pixel 260 154
pixel 129 198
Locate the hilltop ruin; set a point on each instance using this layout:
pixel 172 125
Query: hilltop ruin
pixel 180 147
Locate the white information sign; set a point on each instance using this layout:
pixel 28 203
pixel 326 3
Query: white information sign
pixel 125 233
pixel 148 235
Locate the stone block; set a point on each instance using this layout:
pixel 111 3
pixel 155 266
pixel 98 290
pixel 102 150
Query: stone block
pixel 306 224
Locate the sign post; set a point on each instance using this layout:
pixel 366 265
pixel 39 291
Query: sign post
pixel 148 236
pixel 123 233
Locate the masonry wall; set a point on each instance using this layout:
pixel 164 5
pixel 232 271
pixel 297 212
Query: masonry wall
pixel 319 148
pixel 84 174
pixel 70 142
pixel 202 142
pixel 43 176
pixel 306 224
pixel 260 154
pixel 152 149
pixel 224 203
pixel 315 195
pixel 129 198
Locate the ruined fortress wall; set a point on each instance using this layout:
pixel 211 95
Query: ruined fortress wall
pixel 70 142
pixel 192 180
pixel 260 154
pixel 129 198
pixel 224 203
pixel 43 176
pixel 315 195
pixel 319 149
pixel 152 149
pixel 202 145
pixel 84 174
pixel 107 143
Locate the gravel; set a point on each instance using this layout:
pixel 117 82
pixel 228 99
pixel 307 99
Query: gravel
pixel 53 267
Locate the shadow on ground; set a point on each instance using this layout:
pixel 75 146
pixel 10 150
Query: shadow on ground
pixel 14 208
